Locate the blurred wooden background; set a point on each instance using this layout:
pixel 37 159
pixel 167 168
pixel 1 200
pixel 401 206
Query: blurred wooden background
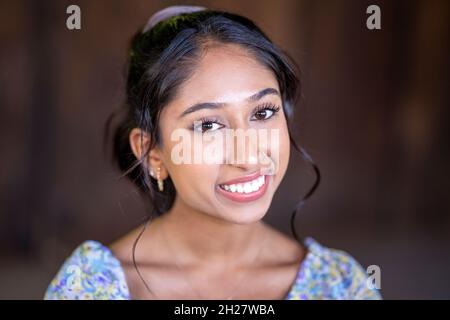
pixel 374 116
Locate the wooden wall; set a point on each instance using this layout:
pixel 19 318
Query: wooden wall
pixel 374 116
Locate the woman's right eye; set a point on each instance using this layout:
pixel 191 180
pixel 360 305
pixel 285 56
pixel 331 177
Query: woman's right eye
pixel 206 125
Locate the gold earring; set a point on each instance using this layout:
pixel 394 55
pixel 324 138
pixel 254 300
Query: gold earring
pixel 158 177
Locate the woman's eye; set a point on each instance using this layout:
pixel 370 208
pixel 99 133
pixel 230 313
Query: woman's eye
pixel 265 113
pixel 207 126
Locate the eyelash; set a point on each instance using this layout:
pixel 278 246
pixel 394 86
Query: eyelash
pixel 266 106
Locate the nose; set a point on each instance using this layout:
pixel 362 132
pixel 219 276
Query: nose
pixel 251 152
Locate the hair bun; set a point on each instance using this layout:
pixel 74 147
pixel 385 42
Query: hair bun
pixel 169 12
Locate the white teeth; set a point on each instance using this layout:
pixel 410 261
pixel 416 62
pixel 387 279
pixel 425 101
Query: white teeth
pixel 261 180
pixel 247 187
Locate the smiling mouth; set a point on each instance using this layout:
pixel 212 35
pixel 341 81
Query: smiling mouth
pixel 245 191
pixel 247 187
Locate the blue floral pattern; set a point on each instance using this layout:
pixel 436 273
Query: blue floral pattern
pixel 93 273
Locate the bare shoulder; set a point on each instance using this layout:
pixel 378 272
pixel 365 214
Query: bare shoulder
pixel 283 249
pixel 122 248
pixel 149 255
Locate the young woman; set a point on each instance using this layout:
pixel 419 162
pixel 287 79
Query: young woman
pixel 200 73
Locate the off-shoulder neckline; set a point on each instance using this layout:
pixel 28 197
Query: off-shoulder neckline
pixel 313 248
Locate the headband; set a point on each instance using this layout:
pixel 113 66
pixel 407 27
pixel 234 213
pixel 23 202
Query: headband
pixel 169 12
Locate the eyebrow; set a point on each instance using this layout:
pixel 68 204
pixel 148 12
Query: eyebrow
pixel 214 105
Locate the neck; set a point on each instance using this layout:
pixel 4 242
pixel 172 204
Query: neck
pixel 200 238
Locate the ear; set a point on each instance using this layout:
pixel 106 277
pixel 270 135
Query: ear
pixel 140 144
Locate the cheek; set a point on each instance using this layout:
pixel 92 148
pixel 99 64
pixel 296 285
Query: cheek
pixel 285 146
pixel 189 179
pixel 194 182
pixel 280 146
pixel 195 176
pixel 284 151
pixel 195 185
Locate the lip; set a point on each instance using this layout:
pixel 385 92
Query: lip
pixel 244 179
pixel 245 197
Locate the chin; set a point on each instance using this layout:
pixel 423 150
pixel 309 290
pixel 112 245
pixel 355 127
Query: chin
pixel 244 216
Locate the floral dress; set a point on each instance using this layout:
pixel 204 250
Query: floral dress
pixel 93 272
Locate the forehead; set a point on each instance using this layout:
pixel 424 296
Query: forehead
pixel 226 73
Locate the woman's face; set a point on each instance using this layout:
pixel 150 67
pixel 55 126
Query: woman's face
pixel 229 75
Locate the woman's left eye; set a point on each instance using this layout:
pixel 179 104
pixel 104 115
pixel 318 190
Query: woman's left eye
pixel 265 112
